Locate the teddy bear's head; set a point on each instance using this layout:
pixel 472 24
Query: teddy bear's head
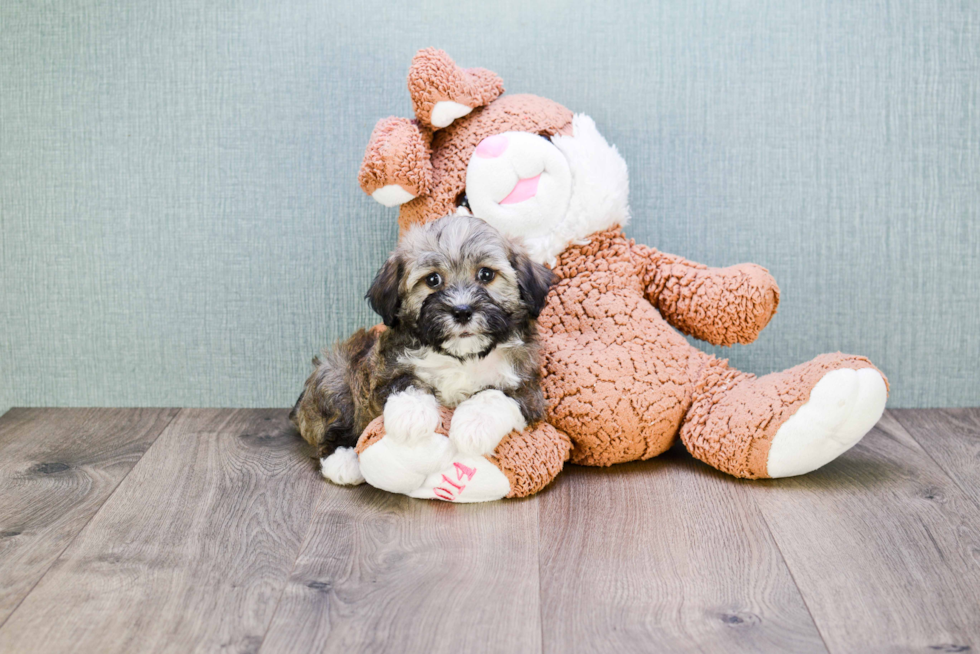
pixel 523 163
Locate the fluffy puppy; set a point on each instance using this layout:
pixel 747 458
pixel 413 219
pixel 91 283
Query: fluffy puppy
pixel 459 302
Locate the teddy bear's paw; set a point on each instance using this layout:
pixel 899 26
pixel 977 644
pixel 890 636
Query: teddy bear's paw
pixel 411 416
pixel 481 422
pixel 843 406
pixel 342 467
pixel 399 468
pixel 465 479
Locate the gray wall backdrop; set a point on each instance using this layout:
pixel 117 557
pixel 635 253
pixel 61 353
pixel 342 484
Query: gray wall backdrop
pixel 180 222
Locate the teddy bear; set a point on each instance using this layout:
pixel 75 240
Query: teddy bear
pixel 621 381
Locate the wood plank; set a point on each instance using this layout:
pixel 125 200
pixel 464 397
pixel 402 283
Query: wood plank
pixel 192 550
pixel 665 555
pixel 57 467
pixel 386 573
pixel 952 438
pixel 884 547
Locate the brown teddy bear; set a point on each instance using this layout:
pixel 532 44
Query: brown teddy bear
pixel 621 384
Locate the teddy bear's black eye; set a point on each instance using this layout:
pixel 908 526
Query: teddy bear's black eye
pixel 433 280
pixel 485 275
pixel 463 201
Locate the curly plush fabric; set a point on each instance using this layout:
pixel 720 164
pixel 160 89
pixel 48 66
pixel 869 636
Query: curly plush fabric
pixel 398 153
pixel 616 376
pixel 530 458
pixel 724 306
pixel 434 78
pixel 373 433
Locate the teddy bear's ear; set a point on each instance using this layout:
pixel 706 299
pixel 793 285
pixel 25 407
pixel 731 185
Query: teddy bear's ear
pixel 396 166
pixel 442 91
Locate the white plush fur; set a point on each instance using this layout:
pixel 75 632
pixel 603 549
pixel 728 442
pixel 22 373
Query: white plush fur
pixel 597 198
pixel 342 468
pixel 491 180
pixel 843 406
pixel 456 380
pixel 446 111
pixel 600 186
pixel 411 416
pixel 480 422
pixel 392 195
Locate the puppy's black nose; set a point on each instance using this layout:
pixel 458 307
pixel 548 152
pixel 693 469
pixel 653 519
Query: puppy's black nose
pixel 462 313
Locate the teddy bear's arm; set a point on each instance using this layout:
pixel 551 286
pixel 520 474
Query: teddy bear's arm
pixel 528 460
pixel 722 306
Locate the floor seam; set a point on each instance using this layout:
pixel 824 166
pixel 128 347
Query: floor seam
pixel 792 577
pixel 942 468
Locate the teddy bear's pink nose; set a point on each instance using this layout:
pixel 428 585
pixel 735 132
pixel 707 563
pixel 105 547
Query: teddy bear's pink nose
pixel 492 146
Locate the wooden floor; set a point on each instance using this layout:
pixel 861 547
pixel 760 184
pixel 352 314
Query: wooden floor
pixel 125 530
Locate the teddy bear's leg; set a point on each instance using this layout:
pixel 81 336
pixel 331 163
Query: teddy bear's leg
pixel 528 460
pixel 785 423
pixel 523 463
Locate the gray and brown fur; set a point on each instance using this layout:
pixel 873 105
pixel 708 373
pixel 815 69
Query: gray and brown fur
pixel 352 381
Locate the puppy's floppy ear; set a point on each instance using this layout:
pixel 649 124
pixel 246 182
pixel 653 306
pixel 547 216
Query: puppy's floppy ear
pixel 534 281
pixel 383 295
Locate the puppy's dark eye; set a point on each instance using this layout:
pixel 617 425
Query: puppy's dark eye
pixel 485 275
pixel 433 280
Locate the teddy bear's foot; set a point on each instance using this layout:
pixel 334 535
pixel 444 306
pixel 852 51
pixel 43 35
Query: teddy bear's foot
pixel 432 470
pixel 396 467
pixel 843 407
pixel 523 463
pixel 785 423
pixel 427 466
pixel 466 479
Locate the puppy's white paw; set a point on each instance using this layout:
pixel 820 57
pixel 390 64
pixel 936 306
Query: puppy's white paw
pixel 411 416
pixel 482 421
pixel 342 467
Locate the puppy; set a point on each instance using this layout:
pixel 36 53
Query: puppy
pixel 459 303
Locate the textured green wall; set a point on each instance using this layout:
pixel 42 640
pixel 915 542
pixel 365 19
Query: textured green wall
pixel 180 222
